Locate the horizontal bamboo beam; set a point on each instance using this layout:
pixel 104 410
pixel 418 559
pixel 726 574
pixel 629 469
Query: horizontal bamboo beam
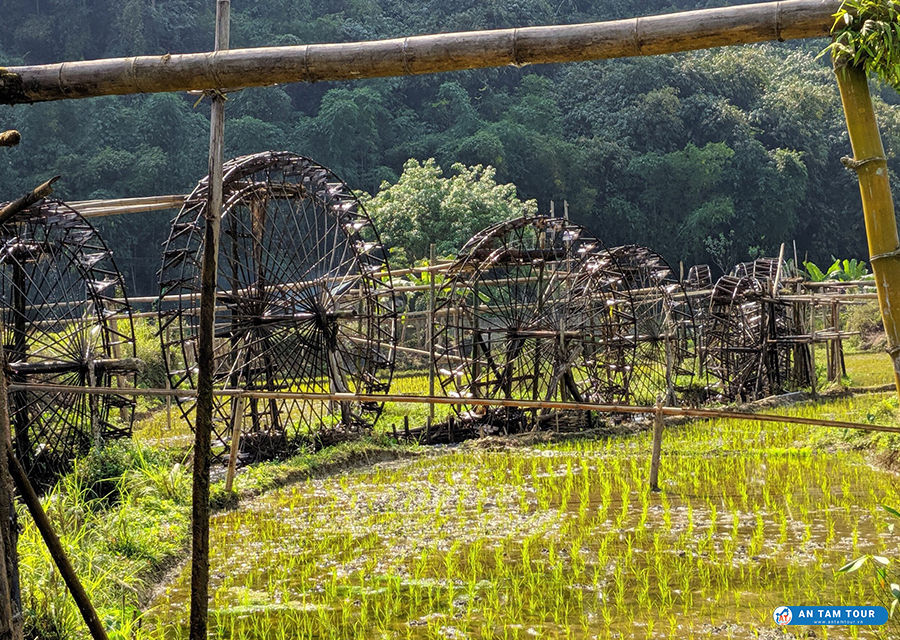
pixel 705 414
pixel 240 68
pixel 10 138
pixel 100 208
pixel 39 193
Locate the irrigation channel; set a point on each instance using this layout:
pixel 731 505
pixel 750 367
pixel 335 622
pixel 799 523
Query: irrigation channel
pixel 522 539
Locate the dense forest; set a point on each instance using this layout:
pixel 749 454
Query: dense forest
pixel 714 156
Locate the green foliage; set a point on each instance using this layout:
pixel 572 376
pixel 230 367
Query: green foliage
pixel 887 578
pixel 840 270
pixel 710 156
pixel 425 207
pixel 101 471
pixel 867 34
pixel 122 514
pixel 153 375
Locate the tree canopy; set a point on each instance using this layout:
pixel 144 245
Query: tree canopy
pixel 424 207
pixel 714 156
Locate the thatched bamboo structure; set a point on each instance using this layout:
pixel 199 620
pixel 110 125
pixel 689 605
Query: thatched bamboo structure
pixel 239 68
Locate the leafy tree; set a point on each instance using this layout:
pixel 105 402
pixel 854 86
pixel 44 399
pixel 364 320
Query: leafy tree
pixel 425 207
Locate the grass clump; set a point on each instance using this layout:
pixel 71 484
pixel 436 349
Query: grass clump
pixel 122 516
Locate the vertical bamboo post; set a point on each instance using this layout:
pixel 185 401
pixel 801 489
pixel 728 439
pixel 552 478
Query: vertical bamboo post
pixel 10 597
pixel 205 351
pixel 870 164
pixel 814 378
pixel 168 411
pixel 431 303
pixel 237 422
pixel 658 426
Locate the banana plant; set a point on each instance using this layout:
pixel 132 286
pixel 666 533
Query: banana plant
pixel 840 270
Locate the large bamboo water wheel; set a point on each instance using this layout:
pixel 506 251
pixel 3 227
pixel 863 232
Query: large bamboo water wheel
pixel 507 328
pixel 662 361
pixel 65 322
pixel 304 302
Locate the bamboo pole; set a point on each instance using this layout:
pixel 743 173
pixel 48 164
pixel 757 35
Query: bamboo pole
pixel 205 349
pixel 10 138
pixel 431 351
pixel 658 426
pixel 237 422
pixel 16 206
pixel 870 164
pixel 10 595
pixel 239 68
pixel 678 412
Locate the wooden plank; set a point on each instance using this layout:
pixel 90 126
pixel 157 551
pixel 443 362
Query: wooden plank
pixel 239 68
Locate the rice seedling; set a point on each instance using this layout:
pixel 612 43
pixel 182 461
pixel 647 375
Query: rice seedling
pixel 554 541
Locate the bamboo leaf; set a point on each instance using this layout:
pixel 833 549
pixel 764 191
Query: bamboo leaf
pixel 853 565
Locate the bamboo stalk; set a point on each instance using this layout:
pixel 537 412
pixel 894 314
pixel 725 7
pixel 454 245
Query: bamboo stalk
pixel 431 351
pixel 27 200
pixel 239 68
pixel 10 595
pixel 10 138
pixel 237 421
pixel 870 165
pixel 706 414
pixel 205 350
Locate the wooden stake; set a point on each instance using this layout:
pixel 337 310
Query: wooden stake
pixel 870 164
pixel 658 425
pixel 205 351
pixel 10 595
pixel 237 423
pixel 431 305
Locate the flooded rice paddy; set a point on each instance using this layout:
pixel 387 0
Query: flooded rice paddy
pixel 559 540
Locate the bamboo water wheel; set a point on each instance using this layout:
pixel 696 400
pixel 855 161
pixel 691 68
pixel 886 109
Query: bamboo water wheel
pixel 754 344
pixel 508 327
pixel 66 322
pixel 664 359
pixel 304 303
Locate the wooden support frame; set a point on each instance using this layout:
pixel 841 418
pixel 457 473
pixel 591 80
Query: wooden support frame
pixel 240 68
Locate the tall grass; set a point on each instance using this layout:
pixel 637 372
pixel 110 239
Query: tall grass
pixel 121 516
